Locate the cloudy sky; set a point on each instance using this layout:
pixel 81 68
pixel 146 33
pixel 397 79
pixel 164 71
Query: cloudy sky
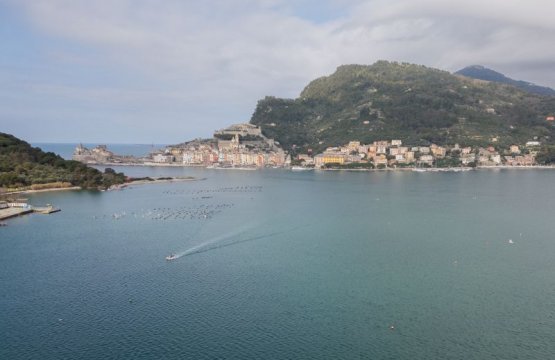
pixel 150 71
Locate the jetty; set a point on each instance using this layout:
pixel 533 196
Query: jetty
pixel 10 209
pixel 45 209
pixel 13 212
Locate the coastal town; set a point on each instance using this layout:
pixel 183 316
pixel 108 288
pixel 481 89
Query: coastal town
pixel 237 146
pixel 244 146
pixel 393 154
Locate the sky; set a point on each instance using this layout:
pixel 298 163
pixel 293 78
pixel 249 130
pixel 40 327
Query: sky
pixel 167 71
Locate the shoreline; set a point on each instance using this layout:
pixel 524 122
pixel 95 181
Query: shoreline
pixel 41 190
pixel 457 169
pixel 161 181
pixel 181 179
pixel 431 169
pixel 153 181
pixel 150 164
pixel 147 164
pixel 114 187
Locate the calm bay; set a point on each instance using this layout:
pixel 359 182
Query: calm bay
pixel 277 264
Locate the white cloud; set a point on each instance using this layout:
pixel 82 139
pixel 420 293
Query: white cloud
pixel 231 53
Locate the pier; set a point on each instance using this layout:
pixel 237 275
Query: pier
pixel 11 212
pixel 45 209
pixel 12 209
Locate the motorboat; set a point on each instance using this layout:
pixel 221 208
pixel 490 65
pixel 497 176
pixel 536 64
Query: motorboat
pixel 171 257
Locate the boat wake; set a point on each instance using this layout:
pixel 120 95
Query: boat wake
pixel 209 242
pixel 219 242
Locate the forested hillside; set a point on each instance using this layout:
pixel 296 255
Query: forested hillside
pixel 22 165
pixel 416 104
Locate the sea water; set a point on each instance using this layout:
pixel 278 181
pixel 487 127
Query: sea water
pixel 286 265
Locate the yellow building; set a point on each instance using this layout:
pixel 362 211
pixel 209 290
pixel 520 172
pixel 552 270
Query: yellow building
pixel 329 158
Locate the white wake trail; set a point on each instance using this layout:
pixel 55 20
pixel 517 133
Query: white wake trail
pixel 213 240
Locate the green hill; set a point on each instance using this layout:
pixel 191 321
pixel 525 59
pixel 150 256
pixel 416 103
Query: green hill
pixel 419 105
pixel 22 165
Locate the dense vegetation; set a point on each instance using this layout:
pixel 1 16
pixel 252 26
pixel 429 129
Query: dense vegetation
pixel 483 73
pixel 413 103
pixel 22 165
pixel 546 155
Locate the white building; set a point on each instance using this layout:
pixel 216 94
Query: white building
pixel 163 158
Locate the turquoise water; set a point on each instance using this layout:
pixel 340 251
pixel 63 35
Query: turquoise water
pixel 285 265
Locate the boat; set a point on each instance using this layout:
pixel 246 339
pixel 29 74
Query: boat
pixel 171 257
pixel 300 168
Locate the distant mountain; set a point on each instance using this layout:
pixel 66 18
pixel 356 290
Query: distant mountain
pixel 24 166
pixel 482 73
pixel 413 103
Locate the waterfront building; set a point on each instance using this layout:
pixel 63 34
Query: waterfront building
pixel 379 159
pixel 163 158
pixel 381 149
pixel 520 160
pixel 467 158
pixel 329 158
pixel 354 158
pixel 496 159
pixel 426 160
pixel 260 160
pixel 438 151
pixel 18 203
pixel 307 159
pixel 483 160
pixel 423 155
